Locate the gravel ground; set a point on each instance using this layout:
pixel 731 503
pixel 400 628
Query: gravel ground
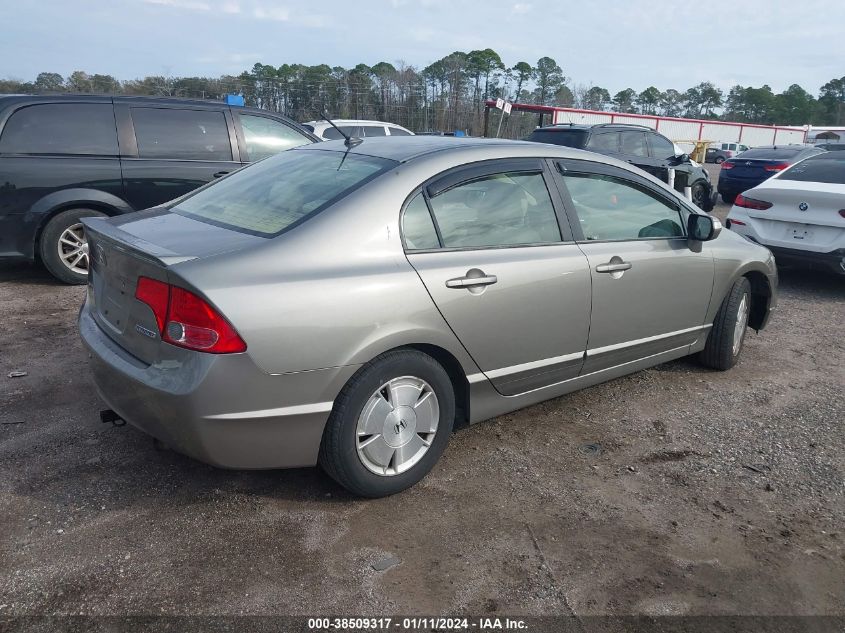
pixel 675 490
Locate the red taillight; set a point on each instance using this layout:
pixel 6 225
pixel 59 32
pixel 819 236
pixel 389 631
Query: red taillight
pixel 842 212
pixel 751 203
pixel 776 167
pixel 731 222
pixel 155 294
pixel 728 165
pixel 186 320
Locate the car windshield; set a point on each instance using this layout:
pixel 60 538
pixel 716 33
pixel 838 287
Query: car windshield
pixel 570 138
pixel 827 168
pixel 280 192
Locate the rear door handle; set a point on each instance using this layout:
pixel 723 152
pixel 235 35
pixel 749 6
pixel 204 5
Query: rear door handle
pixel 220 174
pixel 612 268
pixel 469 282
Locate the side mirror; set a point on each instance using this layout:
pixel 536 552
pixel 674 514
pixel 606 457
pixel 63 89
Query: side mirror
pixel 702 228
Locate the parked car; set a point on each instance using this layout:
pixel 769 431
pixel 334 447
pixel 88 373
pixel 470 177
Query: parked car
pixel 758 164
pixel 799 213
pixel 355 128
pixel 638 145
pixel 436 274
pixel 720 152
pixel 64 158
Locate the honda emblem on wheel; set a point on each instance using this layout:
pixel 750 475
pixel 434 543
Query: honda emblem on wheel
pixel 803 206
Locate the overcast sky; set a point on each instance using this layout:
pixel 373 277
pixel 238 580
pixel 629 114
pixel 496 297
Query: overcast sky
pixel 611 43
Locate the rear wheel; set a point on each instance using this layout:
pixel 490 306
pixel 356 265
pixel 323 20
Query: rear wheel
pixel 719 160
pixel 724 343
pixel 63 246
pixel 390 424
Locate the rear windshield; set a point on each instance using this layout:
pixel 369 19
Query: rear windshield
pixel 280 192
pixel 828 168
pixel 775 154
pixel 570 138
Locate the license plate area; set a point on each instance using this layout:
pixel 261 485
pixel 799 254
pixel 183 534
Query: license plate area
pixel 800 232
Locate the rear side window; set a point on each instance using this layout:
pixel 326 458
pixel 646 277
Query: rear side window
pixel 181 134
pixel 498 210
pixel 61 128
pixel 276 194
pixel 265 137
pixel 569 138
pixel 828 168
pixel 417 226
pixel 605 142
pixel 396 131
pixel 374 130
pixel 613 209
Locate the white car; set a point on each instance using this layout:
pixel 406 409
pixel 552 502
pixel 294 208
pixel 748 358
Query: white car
pixel 355 128
pixel 799 214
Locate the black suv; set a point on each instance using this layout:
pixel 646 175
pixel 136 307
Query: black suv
pixel 63 158
pixel 638 145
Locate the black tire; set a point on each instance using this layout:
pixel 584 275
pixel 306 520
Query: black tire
pixel 718 352
pixel 719 160
pixel 728 198
pixel 48 245
pixel 338 451
pixel 699 195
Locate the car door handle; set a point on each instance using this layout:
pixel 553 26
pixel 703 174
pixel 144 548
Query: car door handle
pixel 613 268
pixel 470 282
pixel 220 174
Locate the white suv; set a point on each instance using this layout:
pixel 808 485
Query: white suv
pixel 355 128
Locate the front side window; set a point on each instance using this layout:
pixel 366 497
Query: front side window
pixel 609 208
pixel 331 134
pixel 633 144
pixel 265 137
pixel 61 128
pixel 181 134
pixel 661 147
pixel 269 197
pixel 497 210
pixel 417 226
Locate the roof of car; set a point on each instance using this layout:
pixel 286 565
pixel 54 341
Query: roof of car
pixel 405 148
pixel 352 122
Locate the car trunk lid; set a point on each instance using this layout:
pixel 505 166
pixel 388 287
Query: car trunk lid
pixel 146 244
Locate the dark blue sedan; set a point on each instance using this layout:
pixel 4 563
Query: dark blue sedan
pixel 750 168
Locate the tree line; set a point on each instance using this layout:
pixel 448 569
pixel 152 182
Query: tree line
pixel 449 93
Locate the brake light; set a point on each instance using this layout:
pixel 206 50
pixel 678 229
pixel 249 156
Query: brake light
pixel 730 222
pixel 842 212
pixel 776 166
pixel 186 320
pixel 751 203
pixel 728 165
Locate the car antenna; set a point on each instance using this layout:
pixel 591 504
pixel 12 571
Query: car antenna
pixel 351 141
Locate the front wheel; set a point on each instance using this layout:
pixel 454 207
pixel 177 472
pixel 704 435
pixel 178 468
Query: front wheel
pixel 699 195
pixel 390 424
pixel 63 246
pixel 726 337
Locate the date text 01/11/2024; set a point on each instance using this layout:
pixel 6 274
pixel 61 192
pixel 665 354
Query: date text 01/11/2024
pixel 416 624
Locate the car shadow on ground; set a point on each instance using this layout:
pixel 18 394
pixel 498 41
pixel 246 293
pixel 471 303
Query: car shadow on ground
pixel 26 273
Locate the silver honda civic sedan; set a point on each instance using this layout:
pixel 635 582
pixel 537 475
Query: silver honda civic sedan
pixel 350 305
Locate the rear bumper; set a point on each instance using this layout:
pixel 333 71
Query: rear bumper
pixel 833 261
pixel 219 409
